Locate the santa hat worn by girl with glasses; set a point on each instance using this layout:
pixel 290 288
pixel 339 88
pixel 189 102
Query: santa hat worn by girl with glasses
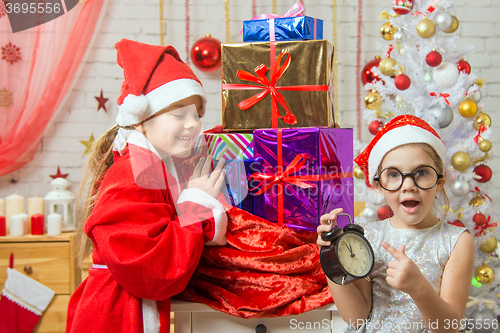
pixel 399 131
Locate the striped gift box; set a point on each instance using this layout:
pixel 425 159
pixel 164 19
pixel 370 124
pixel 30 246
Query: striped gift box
pixel 230 146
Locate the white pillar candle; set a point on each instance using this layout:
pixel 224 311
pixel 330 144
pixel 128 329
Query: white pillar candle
pixel 2 204
pixel 16 225
pixel 26 223
pixel 54 224
pixel 35 206
pixel 14 204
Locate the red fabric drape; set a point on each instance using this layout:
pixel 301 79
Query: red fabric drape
pixel 35 77
pixel 265 270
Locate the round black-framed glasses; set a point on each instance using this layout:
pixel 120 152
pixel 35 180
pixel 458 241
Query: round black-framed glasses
pixel 425 177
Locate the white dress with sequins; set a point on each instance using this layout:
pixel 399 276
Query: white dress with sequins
pixel 430 248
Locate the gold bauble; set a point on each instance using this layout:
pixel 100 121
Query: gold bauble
pixel 484 274
pixel 358 173
pixel 482 120
pixel 467 108
pixel 373 101
pixel 454 26
pixel 426 28
pixel 386 66
pixel 477 201
pixel 387 31
pixel 484 145
pixel 488 245
pixel 460 161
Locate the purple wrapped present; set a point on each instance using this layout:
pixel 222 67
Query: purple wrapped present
pixel 305 173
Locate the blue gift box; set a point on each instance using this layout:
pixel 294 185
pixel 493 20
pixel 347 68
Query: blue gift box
pixel 237 173
pixel 285 29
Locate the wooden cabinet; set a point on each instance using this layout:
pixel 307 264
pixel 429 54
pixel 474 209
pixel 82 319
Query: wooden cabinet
pixel 199 318
pixel 51 261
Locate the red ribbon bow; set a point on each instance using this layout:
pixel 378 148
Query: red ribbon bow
pixel 476 189
pixel 266 180
pixel 388 54
pixel 445 96
pixel 485 226
pixel 269 88
pixel 481 130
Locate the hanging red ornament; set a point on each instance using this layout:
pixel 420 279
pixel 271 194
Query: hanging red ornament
pixel 375 126
pixel 458 223
pixel 402 7
pixel 433 59
pixel 484 172
pixel 206 53
pixel 463 66
pixel 402 82
pixel 384 212
pixel 479 219
pixel 367 76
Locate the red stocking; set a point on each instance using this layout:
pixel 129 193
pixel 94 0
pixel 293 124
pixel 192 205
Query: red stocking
pixel 22 303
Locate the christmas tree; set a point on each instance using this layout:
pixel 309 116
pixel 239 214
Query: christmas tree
pixel 424 73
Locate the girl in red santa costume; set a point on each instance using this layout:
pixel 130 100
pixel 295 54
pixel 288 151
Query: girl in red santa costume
pixel 423 265
pixel 149 209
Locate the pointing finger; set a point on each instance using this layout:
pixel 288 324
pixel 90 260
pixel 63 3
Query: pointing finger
pixel 395 253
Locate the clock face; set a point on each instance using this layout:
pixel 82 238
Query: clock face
pixel 354 254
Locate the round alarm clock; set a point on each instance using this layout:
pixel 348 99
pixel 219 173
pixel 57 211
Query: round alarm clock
pixel 349 256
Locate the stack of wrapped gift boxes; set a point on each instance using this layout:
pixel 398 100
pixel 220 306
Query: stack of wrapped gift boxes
pixel 285 161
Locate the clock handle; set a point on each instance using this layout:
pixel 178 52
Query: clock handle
pixel 345 214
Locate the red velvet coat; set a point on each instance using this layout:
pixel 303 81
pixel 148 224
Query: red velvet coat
pixel 149 243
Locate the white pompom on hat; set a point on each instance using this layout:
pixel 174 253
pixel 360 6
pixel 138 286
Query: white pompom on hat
pixel 399 131
pixel 154 78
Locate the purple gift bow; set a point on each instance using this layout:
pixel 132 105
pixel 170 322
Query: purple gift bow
pixel 295 10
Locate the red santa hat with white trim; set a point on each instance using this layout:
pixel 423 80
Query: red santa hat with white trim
pixel 399 131
pixel 154 78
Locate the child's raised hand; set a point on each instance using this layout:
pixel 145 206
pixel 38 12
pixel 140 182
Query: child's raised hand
pixel 203 179
pixel 325 225
pixel 403 274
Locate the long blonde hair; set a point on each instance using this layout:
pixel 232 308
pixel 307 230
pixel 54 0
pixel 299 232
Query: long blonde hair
pixel 100 160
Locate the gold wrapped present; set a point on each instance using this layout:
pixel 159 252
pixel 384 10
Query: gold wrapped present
pixel 277 85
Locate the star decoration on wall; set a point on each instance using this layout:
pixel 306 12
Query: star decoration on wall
pixel 5 98
pixel 102 102
pixel 88 143
pixel 11 53
pixel 59 174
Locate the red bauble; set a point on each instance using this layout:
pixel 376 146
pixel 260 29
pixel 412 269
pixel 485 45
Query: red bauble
pixel 384 212
pixel 479 219
pixel 484 171
pixel 458 223
pixel 375 126
pixel 402 82
pixel 206 54
pixel 463 67
pixel 402 7
pixel 367 76
pixel 433 58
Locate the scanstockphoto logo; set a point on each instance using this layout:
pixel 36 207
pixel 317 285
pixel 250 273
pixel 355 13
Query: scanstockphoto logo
pixel 31 13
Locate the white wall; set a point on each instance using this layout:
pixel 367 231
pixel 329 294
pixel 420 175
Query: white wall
pixel 139 20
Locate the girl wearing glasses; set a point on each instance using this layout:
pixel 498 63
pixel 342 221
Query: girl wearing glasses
pixel 423 266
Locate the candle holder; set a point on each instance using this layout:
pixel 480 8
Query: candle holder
pixel 61 201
